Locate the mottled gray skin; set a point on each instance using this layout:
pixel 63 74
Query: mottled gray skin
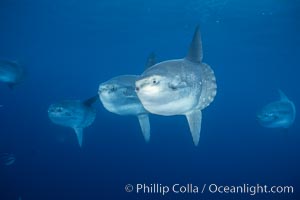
pixel 74 114
pixel 179 87
pixel 118 96
pixel 176 87
pixel 11 73
pixel 278 114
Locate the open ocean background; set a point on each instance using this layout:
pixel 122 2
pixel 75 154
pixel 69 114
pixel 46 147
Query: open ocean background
pixel 69 47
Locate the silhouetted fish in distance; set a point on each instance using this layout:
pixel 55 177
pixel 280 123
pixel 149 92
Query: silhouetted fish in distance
pixel 75 114
pixel 11 73
pixel 277 114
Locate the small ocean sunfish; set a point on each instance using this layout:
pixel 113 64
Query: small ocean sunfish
pixel 11 73
pixel 278 114
pixel 118 96
pixel 74 114
pixel 7 159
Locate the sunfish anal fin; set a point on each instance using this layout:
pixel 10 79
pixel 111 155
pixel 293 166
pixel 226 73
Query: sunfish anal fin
pixel 194 119
pixel 79 134
pixel 145 126
pixel 195 53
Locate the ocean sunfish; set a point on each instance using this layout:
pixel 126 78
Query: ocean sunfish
pixel 74 114
pixel 118 96
pixel 11 73
pixel 7 159
pixel 277 114
pixel 179 87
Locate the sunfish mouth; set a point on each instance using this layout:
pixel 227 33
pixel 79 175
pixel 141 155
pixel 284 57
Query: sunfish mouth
pixel 141 84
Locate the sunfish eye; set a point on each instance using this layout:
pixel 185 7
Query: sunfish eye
pixel 154 81
pixel 113 88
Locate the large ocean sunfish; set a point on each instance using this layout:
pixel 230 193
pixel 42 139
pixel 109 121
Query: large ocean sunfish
pixel 11 73
pixel 278 114
pixel 179 87
pixel 118 96
pixel 74 114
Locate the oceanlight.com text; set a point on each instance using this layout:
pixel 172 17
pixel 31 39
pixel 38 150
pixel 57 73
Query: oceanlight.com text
pixel 250 189
pixel 189 188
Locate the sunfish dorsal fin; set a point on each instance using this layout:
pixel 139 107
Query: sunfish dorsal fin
pixel 194 119
pixel 151 60
pixel 145 126
pixel 91 100
pixel 195 53
pixel 283 97
pixel 79 134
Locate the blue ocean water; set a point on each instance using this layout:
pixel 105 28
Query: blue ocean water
pixel 69 47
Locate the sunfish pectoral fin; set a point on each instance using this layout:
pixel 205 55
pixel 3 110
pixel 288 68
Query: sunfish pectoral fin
pixel 145 125
pixel 195 53
pixel 79 134
pixel 194 119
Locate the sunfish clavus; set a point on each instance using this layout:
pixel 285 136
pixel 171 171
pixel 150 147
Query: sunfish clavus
pixel 277 114
pixel 179 87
